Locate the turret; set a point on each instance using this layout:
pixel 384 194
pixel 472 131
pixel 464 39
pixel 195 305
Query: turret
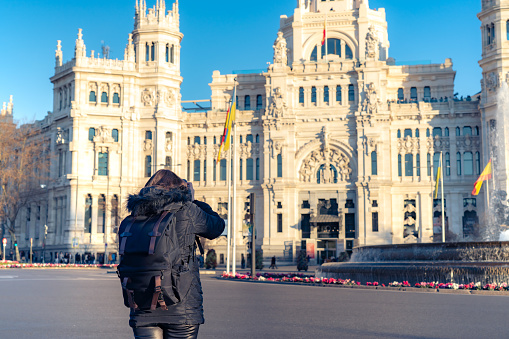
pixel 58 54
pixel 80 51
pixel 6 114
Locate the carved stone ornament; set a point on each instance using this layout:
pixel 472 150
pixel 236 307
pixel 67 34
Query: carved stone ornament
pixel 60 137
pixel 468 143
pixel 371 43
pixel 169 145
pixel 371 102
pixel 441 143
pixel 278 105
pixel 280 50
pixel 170 98
pixel 408 145
pixel 491 81
pixel 312 167
pixel 103 135
pixel 147 98
pixel 147 146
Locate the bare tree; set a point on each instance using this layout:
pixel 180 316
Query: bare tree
pixel 24 166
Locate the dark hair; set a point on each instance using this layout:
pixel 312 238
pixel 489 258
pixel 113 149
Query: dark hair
pixel 166 179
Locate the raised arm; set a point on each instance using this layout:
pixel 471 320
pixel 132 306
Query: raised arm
pixel 206 222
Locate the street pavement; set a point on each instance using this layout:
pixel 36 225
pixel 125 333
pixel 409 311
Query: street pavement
pixel 68 304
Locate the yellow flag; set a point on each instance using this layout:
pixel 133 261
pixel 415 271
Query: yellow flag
pixel 439 174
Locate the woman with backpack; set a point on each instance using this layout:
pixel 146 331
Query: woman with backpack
pixel 159 269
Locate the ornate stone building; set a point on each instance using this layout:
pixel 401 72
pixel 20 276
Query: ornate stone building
pixel 337 141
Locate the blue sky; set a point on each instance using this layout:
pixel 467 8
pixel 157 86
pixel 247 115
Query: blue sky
pixel 218 35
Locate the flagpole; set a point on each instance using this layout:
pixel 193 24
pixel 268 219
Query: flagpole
pixel 228 240
pixel 442 188
pixel 234 176
pixel 326 47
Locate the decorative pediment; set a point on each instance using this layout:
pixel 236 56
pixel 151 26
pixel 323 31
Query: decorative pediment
pixel 318 165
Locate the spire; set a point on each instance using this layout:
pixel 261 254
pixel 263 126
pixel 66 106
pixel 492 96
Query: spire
pixel 7 108
pixel 58 54
pixel 129 50
pixel 80 51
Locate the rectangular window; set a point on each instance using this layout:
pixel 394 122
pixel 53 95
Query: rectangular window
pixel 204 170
pixel 247 102
pixel 338 94
pixel 240 166
pixel 427 93
pixel 153 52
pixel 249 169
pixel 148 166
pixel 279 166
pixel 103 164
pixel 447 164
pixel 418 164
pixel 477 163
pixel 401 94
pixel 351 93
pixel 259 102
pixel 374 163
pixel 413 93
pixel 428 160
pixel 116 98
pixel 468 160
pixel 409 165
pixel 148 135
pixel 257 168
pixel 60 163
pixel 399 166
pixel 214 171
pixel 222 170
pixel 436 163
pixel 326 94
pixel 301 95
pixel 280 223
pixel 374 222
pixel 458 162
pixel 313 94
pixel 197 164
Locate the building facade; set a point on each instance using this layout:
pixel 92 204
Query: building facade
pixel 339 143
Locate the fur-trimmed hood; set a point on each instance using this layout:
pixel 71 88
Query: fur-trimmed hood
pixel 154 200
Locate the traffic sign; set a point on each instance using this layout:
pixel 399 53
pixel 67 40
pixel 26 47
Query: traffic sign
pixel 4 241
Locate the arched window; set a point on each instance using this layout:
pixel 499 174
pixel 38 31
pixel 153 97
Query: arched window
pixel 427 93
pixel 334 48
pixel 147 52
pixel 301 95
pixel 103 164
pixel 148 135
pixel 114 135
pixel 476 130
pixel 91 134
pixel 222 170
pixel 279 166
pixel 204 140
pixel 257 139
pixel 351 93
pixel 413 93
pixel 401 94
pixel 477 163
pixel 257 170
pixel 116 98
pixel 153 52
pixel 467 130
pixel 324 176
pixel 447 164
pixel 259 102
pixel 101 214
pixel 399 166
pixel 197 166
pixel 417 133
pixel 407 133
pixel 148 166
pixel 468 161
pixel 249 138
pixel 249 169
pixel 197 140
pixel 92 97
pixel 240 140
pixel 88 214
pixel 427 133
pixel 458 131
pixel 409 165
pixel 447 131
pixel 167 53
pixel 326 94
pixel 247 102
pixel 215 140
pixel 114 212
pixel 437 131
pixel 313 94
pixel 339 96
pixel 374 164
pixel 458 162
pixel 104 97
pixel 398 134
pixel 169 136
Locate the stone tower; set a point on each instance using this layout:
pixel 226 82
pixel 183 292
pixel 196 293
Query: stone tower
pixel 494 105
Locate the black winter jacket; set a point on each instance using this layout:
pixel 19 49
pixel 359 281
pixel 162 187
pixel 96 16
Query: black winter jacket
pixel 193 218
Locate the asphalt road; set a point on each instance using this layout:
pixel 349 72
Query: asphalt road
pixel 67 304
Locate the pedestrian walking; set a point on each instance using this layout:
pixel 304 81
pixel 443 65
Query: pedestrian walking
pixel 273 263
pixel 169 199
pixel 242 261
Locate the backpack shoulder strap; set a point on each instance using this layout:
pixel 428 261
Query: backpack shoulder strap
pixel 154 234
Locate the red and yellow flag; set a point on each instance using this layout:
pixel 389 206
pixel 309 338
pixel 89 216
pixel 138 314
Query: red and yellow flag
pixel 324 31
pixel 230 117
pixel 485 175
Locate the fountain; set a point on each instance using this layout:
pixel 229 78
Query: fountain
pixel 485 261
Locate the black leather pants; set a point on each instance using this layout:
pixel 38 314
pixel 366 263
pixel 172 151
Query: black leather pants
pixel 166 331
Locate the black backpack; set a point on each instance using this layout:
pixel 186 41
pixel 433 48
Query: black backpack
pixel 152 269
